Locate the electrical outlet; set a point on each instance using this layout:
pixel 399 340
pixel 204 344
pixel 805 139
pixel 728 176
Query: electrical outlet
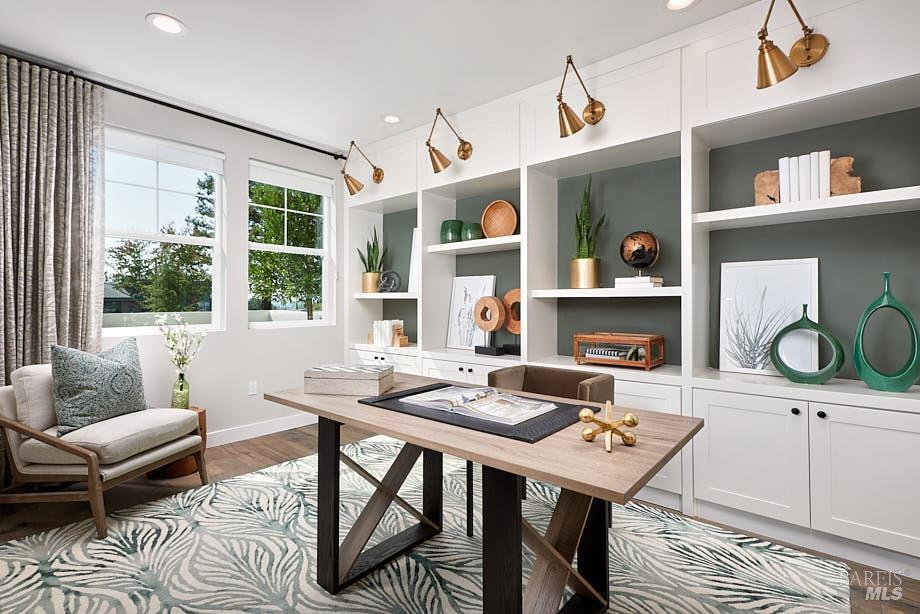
pixel 253 387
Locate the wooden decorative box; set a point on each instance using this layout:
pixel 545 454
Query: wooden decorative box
pixel 349 380
pixel 618 349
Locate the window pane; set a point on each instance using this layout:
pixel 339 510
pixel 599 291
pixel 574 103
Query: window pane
pixel 130 169
pixel 265 194
pixel 304 201
pixel 130 208
pixel 304 230
pixel 266 225
pixel 144 278
pixel 188 180
pixel 285 287
pixel 183 214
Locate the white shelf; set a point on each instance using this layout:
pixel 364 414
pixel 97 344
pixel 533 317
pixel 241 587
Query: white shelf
pixel 391 204
pixel 607 292
pixel 369 296
pixel 665 374
pixel 410 350
pixel 506 360
pixel 836 391
pixel 478 246
pixel 895 200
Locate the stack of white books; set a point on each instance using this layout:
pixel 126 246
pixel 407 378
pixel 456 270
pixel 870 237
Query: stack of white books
pixel 805 177
pixel 643 281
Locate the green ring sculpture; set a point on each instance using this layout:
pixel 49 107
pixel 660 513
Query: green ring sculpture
pixel 906 376
pixel 808 377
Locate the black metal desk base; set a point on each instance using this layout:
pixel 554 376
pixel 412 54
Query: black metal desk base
pixel 340 564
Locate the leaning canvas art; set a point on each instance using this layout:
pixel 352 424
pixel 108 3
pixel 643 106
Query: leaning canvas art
pixel 757 300
pixel 462 332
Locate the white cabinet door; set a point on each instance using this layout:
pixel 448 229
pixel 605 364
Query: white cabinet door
pixel 479 374
pixel 864 475
pixel 445 369
pixel 654 397
pixel 752 454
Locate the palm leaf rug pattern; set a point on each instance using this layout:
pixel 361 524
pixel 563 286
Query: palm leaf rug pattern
pixel 247 544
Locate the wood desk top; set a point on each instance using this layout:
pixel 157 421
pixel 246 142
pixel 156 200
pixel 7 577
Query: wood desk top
pixel 564 458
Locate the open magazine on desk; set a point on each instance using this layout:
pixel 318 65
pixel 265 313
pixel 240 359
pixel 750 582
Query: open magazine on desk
pixel 486 403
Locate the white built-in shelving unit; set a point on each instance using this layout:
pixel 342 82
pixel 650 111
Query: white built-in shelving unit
pixel 679 97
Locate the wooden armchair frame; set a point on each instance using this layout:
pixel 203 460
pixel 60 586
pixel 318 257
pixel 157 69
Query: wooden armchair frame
pixel 95 484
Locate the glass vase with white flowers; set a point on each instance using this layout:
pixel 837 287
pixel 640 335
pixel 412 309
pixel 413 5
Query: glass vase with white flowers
pixel 182 344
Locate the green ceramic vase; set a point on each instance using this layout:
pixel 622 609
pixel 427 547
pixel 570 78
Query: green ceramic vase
pixel 808 377
pixel 471 231
pixel 906 376
pixel 450 231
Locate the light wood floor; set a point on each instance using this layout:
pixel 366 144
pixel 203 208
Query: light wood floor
pixel 246 456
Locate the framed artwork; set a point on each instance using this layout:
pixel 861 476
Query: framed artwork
pixel 462 332
pixel 757 300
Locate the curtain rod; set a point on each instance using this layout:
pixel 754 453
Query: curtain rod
pixel 176 107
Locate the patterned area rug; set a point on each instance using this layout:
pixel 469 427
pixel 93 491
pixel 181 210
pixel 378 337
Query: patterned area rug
pixel 247 544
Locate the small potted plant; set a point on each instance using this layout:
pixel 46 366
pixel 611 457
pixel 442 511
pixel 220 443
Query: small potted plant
pixel 183 344
pixel 585 269
pixel 372 260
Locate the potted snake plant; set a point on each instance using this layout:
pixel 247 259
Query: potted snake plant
pixel 372 259
pixel 585 268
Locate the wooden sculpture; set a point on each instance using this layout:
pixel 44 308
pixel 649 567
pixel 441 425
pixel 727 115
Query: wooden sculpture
pixel 608 426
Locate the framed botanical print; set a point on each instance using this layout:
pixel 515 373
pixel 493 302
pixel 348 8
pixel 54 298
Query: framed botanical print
pixel 757 300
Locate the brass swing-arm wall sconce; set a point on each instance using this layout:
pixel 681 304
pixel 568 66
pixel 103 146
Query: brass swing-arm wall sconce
pixel 438 160
pixel 569 122
pixel 354 186
pixel 774 66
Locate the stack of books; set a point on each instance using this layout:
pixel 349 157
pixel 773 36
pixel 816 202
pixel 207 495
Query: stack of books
pixel 805 177
pixel 643 281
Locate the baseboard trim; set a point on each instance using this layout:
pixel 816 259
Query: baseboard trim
pixel 816 541
pixel 258 429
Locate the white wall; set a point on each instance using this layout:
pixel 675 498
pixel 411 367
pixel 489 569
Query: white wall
pixel 231 357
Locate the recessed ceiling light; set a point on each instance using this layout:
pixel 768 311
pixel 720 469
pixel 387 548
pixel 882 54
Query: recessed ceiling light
pixel 391 119
pixel 679 5
pixel 166 24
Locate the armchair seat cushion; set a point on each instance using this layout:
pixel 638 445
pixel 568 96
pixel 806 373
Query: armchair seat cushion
pixel 115 439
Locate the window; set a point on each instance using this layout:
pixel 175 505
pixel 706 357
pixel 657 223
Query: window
pixel 161 209
pixel 289 263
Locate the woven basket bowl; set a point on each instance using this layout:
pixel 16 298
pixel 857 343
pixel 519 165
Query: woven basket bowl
pixel 499 219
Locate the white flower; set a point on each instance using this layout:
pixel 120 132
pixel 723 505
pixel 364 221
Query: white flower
pixel 181 342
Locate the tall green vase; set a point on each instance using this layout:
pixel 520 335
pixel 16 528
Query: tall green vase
pixel 906 376
pixel 807 377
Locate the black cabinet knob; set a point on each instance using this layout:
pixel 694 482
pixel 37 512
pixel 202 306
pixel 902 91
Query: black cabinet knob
pixel 795 411
pixel 469 370
pixel 460 369
pixel 822 415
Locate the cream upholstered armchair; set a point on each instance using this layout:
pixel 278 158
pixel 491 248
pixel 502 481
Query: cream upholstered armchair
pixel 103 454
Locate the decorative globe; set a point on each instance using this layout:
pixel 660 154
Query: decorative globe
pixel 639 249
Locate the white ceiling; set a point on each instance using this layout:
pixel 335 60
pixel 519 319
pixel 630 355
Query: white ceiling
pixel 326 72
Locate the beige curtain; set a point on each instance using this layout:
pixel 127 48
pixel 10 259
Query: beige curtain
pixel 51 213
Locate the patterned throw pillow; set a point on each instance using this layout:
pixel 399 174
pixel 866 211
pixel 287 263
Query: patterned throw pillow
pixel 90 388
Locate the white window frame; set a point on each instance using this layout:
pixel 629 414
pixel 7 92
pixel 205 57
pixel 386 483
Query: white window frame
pixel 293 179
pixel 178 154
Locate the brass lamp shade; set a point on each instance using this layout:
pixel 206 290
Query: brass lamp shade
pixel 569 122
pixel 773 65
pixel 354 186
pixel 438 160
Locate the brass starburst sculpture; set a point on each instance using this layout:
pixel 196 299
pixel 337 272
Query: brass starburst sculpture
pixel 608 426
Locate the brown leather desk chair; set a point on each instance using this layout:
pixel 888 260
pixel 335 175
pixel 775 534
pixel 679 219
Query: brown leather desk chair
pixel 566 383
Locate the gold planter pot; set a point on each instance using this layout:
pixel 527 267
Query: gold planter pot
pixel 370 282
pixel 585 272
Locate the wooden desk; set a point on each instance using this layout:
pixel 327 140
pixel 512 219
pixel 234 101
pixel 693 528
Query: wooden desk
pixel 588 476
